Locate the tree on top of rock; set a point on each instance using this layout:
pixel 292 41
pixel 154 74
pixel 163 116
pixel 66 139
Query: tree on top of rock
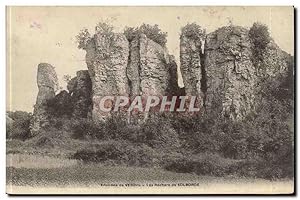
pixel 260 38
pixel 193 31
pixel 153 32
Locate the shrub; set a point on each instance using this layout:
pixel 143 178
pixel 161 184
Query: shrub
pixel 158 132
pixel 131 33
pixel 83 38
pixel 193 31
pixel 115 127
pixel 86 128
pixel 260 38
pixel 104 28
pixel 19 128
pixel 152 32
pixel 60 106
pixel 118 152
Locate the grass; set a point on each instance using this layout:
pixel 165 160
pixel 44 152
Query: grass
pixel 97 175
pixel 91 174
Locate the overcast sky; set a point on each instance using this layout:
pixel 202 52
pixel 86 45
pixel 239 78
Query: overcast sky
pixel 47 34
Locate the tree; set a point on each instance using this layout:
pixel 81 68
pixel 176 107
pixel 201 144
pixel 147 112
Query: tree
pixel 82 38
pixel 193 31
pixel 260 38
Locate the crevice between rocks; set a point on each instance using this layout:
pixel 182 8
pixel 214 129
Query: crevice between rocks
pixel 203 80
pixel 128 65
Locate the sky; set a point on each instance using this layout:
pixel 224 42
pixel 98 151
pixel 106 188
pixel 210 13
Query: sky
pixel 48 34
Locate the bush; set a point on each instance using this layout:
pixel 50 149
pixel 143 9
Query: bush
pixel 60 106
pixel 158 133
pixel 86 128
pixel 260 38
pixel 115 127
pixel 131 33
pixel 152 32
pixel 118 152
pixel 104 28
pixel 19 127
pixel 83 38
pixel 193 31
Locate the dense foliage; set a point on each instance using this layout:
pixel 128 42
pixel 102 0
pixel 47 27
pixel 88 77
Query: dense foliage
pixel 18 125
pixel 193 31
pixel 260 38
pixel 152 32
pixel 82 38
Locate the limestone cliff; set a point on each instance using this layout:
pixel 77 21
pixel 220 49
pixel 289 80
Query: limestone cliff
pixel 230 78
pixel 191 64
pixel 117 67
pixel 107 58
pixel 151 70
pixel 220 68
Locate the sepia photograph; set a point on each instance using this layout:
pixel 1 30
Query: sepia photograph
pixel 150 100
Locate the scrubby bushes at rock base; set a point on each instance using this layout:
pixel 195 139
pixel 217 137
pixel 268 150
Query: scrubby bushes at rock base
pixel 119 152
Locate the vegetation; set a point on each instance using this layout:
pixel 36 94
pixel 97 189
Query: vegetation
pixel 152 32
pixel 83 38
pixel 259 146
pixel 193 31
pixel 260 38
pixel 18 125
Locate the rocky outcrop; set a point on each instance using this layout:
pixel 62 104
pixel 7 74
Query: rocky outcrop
pixel 191 63
pixel 151 68
pixel 219 68
pixel 231 76
pixel 107 58
pixel 117 67
pixel 151 71
pixel 80 89
pixel 230 79
pixel 47 84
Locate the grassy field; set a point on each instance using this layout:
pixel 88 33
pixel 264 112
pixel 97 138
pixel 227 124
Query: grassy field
pixel 101 179
pixel 46 172
pixel 41 170
pixel 32 169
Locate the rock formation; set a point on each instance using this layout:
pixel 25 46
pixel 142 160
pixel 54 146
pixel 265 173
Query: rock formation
pixel 107 58
pixel 219 68
pixel 230 73
pixel 47 84
pixel 150 68
pixel 151 71
pixel 230 79
pixel 80 89
pixel 191 64
pixel 117 67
